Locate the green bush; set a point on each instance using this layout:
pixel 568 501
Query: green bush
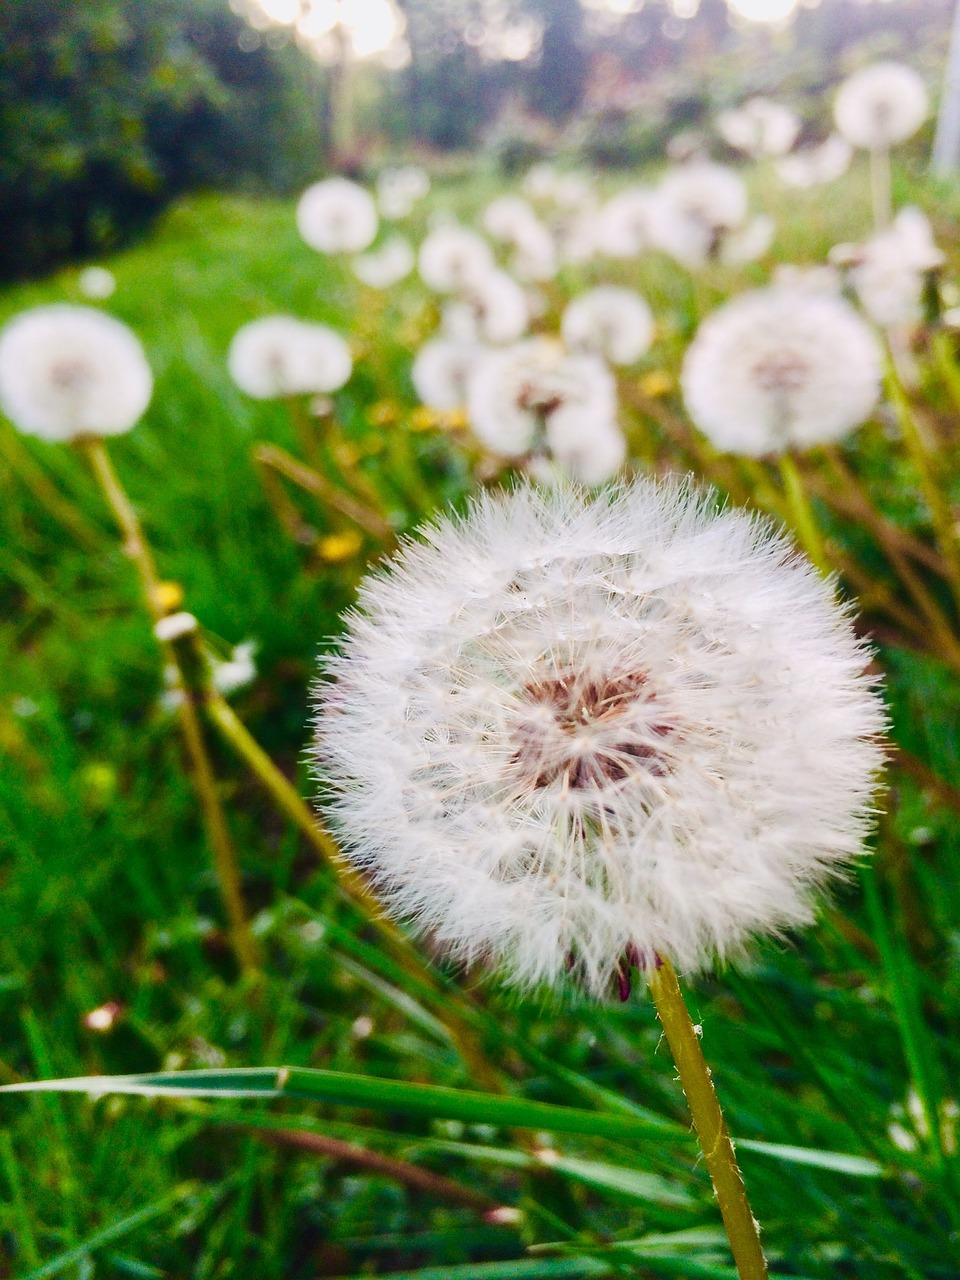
pixel 108 108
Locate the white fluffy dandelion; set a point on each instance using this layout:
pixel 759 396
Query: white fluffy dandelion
pixel 400 189
pixel 441 372
pixel 626 727
pixel 281 356
pixel 695 206
pixel 759 128
pixel 817 165
pixel 881 105
pixel 623 229
pixel 532 394
pixel 337 216
pixel 453 258
pixel 386 266
pixel 781 368
pixel 888 271
pixel 97 283
pixel 494 308
pixel 70 371
pixel 610 321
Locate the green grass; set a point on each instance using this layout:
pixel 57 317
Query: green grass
pixel 818 1043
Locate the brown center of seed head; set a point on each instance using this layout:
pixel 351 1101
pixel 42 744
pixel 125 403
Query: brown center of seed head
pixel 590 731
pixel 781 371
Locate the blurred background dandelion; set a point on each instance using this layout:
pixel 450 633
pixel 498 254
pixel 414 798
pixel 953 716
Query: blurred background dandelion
pixel 282 282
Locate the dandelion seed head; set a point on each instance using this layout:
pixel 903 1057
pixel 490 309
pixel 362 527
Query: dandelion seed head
pixel 597 738
pixel 760 128
pixel 68 371
pixel 610 321
pixel 492 308
pixel 384 267
pixel 624 223
pixel 534 393
pixel 817 165
pixel 282 356
pixel 695 206
pixel 881 105
pixel 441 372
pixel 781 368
pixel 453 258
pixel 96 283
pixel 337 216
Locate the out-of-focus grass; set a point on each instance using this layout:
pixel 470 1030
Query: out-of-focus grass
pixel 108 895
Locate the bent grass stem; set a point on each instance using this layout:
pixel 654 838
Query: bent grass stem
pixel 715 1142
pixel 200 769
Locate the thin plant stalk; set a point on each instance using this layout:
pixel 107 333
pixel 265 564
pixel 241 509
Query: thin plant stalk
pixel 201 770
pixel 718 1153
pixel 936 500
pixel 881 196
pixel 272 456
pixel 801 514
pixel 946 361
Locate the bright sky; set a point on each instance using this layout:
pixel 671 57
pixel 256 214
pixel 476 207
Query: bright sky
pixel 374 25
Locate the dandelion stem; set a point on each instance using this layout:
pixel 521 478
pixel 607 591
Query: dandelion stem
pixel 715 1142
pixel 270 455
pixel 880 188
pixel 934 496
pixel 801 514
pixel 201 770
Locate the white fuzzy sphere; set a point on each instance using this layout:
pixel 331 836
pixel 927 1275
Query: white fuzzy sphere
pixel 695 206
pixel 626 726
pixel 779 369
pixel 399 190
pixel 281 356
pixel 816 166
pixel 623 229
pixel 452 258
pixel 493 308
pixel 889 270
pixel 534 393
pixel 881 105
pixel 70 371
pixel 442 370
pixel 384 267
pixel 610 321
pixel 760 127
pixel 337 216
pixel 592 456
pixel 96 283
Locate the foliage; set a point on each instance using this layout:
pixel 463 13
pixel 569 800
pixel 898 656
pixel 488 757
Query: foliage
pixel 108 108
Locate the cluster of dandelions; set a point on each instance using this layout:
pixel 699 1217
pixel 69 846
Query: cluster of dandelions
pixel 595 744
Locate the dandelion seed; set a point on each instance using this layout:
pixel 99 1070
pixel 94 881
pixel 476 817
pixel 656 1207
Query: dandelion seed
pixel 337 216
pixel 68 372
pixel 281 356
pixel 781 368
pixel 610 321
pixel 881 105
pixel 625 726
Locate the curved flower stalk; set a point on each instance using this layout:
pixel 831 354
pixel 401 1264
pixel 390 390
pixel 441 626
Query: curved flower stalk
pixel 566 760
pixel 74 374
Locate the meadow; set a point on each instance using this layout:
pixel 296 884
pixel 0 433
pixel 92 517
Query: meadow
pixel 834 1051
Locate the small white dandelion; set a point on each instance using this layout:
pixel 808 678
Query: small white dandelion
pixel 610 321
pixel 759 128
pixel 282 356
pixel 695 206
pixel 818 165
pixel 889 270
pixel 400 189
pixel 881 105
pixel 531 395
pixel 97 283
pixel 453 258
pixel 781 368
pixel 384 267
pixel 337 216
pixel 493 308
pixel 623 229
pixel 67 372
pixel 441 371
pixel 595 743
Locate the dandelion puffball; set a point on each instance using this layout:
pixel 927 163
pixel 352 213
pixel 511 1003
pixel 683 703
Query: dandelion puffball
pixel 442 370
pixel 611 321
pixel 337 216
pixel 781 368
pixel 816 166
pixel 69 371
pixel 452 258
pixel 760 127
pixel 281 356
pixel 384 267
pixel 625 727
pixel 535 393
pixel 694 207
pixel 881 105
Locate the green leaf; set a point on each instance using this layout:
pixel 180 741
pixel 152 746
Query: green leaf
pixel 837 1161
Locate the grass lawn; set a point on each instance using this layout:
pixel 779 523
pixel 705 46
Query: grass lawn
pixel 841 1041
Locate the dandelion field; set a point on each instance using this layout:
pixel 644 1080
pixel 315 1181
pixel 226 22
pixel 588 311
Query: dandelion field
pixel 834 1051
